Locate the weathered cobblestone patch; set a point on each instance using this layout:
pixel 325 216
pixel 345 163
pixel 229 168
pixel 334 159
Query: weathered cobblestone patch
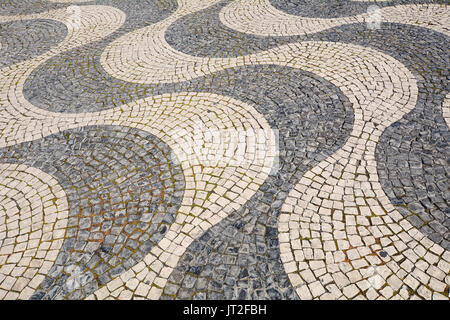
pixel 93 203
pixel 74 81
pixel 123 191
pixel 335 8
pixel 203 34
pixel 33 219
pixel 22 40
pixel 239 257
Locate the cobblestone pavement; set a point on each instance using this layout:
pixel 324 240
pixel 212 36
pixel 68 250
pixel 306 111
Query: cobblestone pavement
pixel 218 149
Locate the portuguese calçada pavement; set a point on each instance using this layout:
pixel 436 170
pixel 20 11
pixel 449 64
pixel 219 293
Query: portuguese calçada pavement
pixel 218 149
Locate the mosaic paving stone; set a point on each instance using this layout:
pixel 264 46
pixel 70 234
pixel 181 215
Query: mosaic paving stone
pixel 21 40
pixel 435 77
pixel 123 190
pixel 33 215
pixel 126 58
pixel 203 34
pixel 412 154
pixel 74 81
pixel 111 190
pixel 15 7
pixel 261 18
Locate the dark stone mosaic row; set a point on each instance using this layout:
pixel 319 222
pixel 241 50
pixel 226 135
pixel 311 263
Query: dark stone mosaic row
pixel 335 8
pixel 203 34
pixel 304 114
pixel 22 40
pixel 123 190
pixel 74 80
pixel 412 153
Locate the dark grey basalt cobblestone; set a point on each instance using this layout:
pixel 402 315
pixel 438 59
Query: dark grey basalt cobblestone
pixel 22 40
pixel 239 257
pixel 335 8
pixel 123 190
pixel 24 7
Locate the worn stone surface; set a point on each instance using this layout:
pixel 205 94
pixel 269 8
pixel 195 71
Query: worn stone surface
pixel 104 196
pixel 334 8
pixel 239 257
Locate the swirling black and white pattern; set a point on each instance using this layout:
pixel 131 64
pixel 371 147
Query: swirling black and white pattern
pixel 100 102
